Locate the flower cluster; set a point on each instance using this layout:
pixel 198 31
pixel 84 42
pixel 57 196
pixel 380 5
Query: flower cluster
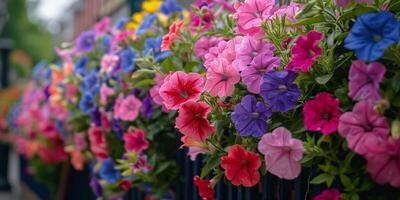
pixel 255 86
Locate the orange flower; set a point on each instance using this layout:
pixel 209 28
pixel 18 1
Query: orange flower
pixel 77 159
pixel 171 36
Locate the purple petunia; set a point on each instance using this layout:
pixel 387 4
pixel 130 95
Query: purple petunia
pixel 147 108
pixel 279 91
pixel 250 117
pixel 86 41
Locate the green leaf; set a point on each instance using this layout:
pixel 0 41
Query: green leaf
pixel 310 21
pixel 346 181
pixel 355 197
pixel 396 82
pixel 211 163
pixel 321 179
pixel 322 80
pixel 145 82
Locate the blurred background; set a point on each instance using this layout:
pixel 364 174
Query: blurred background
pixel 29 32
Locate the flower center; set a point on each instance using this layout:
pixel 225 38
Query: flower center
pixel 286 149
pixel 368 128
pixel 255 114
pixel 197 116
pixel 254 53
pixel 261 70
pixel 184 94
pixel 326 116
pixel 244 162
pixel 377 38
pixel 224 77
pixel 310 53
pixel 283 88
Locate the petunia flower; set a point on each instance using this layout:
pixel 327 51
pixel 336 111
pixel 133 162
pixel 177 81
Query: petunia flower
pixel 127 59
pixel 363 127
pixel 147 108
pixel 108 171
pixel 252 74
pixel 305 51
pixel 206 191
pixel 225 49
pixel 179 88
pixel 192 120
pixel 154 45
pixel 141 165
pixel 96 187
pixel 171 35
pixel 251 14
pixel 328 194
pixel 85 41
pixel 87 103
pixel 146 24
pixel 105 92
pixel 282 153
pixel 135 140
pixel 364 80
pixel 128 109
pixel 203 45
pixel 195 147
pixel 322 113
pixel 250 117
pixel 169 7
pixel 251 48
pixel 279 91
pixel 383 163
pixel 98 144
pixel 372 33
pixel 108 63
pixel 221 78
pixel 241 166
pixel 102 26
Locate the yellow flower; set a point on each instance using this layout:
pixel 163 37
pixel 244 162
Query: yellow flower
pixel 186 16
pixel 163 19
pixel 137 18
pixel 151 6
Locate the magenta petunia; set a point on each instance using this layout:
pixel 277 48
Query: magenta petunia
pixel 249 49
pixel 305 51
pixel 251 14
pixel 127 109
pixel 252 74
pixel 221 78
pixel 328 194
pixel 180 87
pixel 135 140
pixel 384 163
pixel 363 128
pixel 282 153
pixel 105 92
pixel 364 80
pixel 322 113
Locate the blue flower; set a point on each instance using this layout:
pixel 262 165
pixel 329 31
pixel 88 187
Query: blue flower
pixel 96 187
pixel 154 45
pixel 279 91
pixel 106 43
pixel 96 116
pixel 371 34
pixel 148 109
pixel 250 117
pixel 86 41
pixel 90 83
pixel 127 57
pixel 108 171
pixel 121 23
pixel 80 66
pixel 146 23
pixel 87 104
pixel 170 7
pixel 116 126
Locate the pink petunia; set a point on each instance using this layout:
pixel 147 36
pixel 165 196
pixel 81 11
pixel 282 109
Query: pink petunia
pixel 289 11
pixel 251 14
pixel 127 109
pixel 192 120
pixel 224 49
pixel 108 63
pixel 328 194
pixel 221 78
pixel 322 113
pixel 384 163
pixel 154 91
pixel 105 92
pixel 363 128
pixel 195 147
pixel 249 49
pixel 282 153
pixel 179 88
pixel 305 51
pixel 252 75
pixel 135 140
pixel 364 80
pixel 203 45
pixel 103 26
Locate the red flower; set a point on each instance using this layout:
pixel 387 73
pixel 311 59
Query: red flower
pixel 322 113
pixel 171 35
pixel 241 166
pixel 98 144
pixel 179 88
pixel 125 184
pixel 328 194
pixel 205 190
pixel 192 120
pixel 135 140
